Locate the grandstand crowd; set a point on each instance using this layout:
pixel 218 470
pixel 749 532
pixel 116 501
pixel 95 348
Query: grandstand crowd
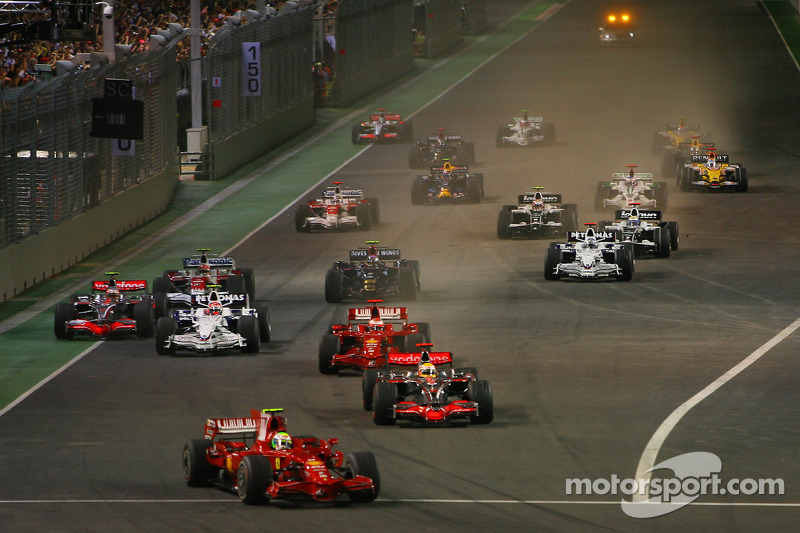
pixel 135 22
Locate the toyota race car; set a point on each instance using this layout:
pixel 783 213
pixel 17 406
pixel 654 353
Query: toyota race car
pixel 213 328
pixel 109 310
pixel 618 29
pixel 631 187
pixel 713 173
pixel 447 183
pixel 382 127
pixel 432 392
pixel 536 215
pixel 645 230
pixel 371 333
pixel 373 272
pixel 434 150
pixel 338 208
pixel 257 459
pixel 589 254
pixel 526 131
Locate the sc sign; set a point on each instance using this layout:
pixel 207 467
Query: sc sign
pixel 251 69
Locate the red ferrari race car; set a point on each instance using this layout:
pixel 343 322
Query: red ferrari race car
pixel 382 127
pixel 107 310
pixel 371 333
pixel 433 392
pixel 256 458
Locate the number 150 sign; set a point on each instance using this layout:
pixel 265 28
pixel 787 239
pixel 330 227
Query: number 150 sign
pixel 251 69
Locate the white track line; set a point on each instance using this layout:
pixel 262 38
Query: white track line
pixel 650 453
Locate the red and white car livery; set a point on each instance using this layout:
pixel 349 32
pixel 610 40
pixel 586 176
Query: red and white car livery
pixel 382 127
pixel 369 337
pixel 337 208
pixel 112 308
pixel 256 458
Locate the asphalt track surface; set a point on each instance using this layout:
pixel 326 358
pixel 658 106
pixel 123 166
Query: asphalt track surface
pixel 583 374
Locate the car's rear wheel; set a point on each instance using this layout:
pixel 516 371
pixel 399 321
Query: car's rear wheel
pixel 197 471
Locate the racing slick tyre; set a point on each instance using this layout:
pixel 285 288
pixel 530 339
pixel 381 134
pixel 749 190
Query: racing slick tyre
pixel 161 304
pixel 480 392
pixel 509 207
pixel 64 313
pixel 569 217
pixel 503 221
pixel 683 179
pixel 406 132
pixel 470 369
pixel 197 471
pixel 363 464
pixel 549 133
pixel 660 195
pixel 161 284
pixel 264 326
pixel 368 379
pixel 418 190
pixel 249 329
pixel 674 236
pixel 329 346
pixel 473 190
pixel 412 339
pixel 424 329
pixel 600 195
pixel 415 158
pixel 145 320
pixel 479 177
pixel 601 226
pixel 364 217
pixel 414 265
pixel 301 213
pixel 384 397
pixel 374 210
pixel 407 283
pixel 165 327
pixel 663 242
pixel 334 285
pixel 355 134
pixel 552 258
pixel 249 283
pixel 500 137
pixel 659 143
pixel 236 285
pixel 742 175
pixel 624 259
pixel 465 154
pixel 253 478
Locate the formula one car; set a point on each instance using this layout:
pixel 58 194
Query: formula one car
pixel 433 392
pixel 199 273
pixel 526 131
pixel 618 29
pixel 372 272
pixel 371 333
pixel 674 158
pixel 713 172
pixel 447 183
pixel 382 127
pixel 213 328
pixel 257 459
pixel 536 215
pixel 436 149
pixel 109 310
pixel 645 230
pixel 631 187
pixel 589 254
pixel 337 208
pixel 675 134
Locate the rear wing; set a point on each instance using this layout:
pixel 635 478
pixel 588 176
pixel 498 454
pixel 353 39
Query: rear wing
pixel 580 236
pixel 453 168
pixel 346 193
pixel 363 314
pixel 690 127
pixel 384 254
pixel 547 197
pixel 638 175
pixel 530 119
pixel 215 262
pixel 258 425
pixel 720 158
pixel 388 116
pixel 123 286
pixel 432 138
pixel 408 359
pixel 644 214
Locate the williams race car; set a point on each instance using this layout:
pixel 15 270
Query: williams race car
pixel 589 255
pixel 538 214
pixel 645 230
pixel 436 149
pixel 372 272
pixel 109 310
pixel 371 333
pixel 713 173
pixel 382 127
pixel 447 183
pixel 337 208
pixel 257 459
pixel 213 328
pixel 631 187
pixel 618 29
pixel 432 392
pixel 526 131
